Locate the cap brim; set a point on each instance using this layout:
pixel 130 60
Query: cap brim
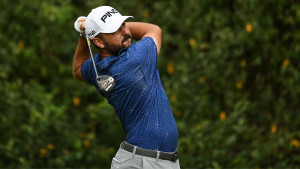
pixel 116 25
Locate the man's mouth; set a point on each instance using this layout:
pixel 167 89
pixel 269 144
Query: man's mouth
pixel 126 38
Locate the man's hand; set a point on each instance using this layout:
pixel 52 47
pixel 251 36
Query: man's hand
pixel 79 24
pixel 82 51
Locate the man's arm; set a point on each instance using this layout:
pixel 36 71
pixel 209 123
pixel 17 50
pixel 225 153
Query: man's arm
pixel 139 30
pixel 81 55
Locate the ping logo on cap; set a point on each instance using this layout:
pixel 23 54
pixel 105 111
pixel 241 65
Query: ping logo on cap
pixel 109 14
pixel 92 33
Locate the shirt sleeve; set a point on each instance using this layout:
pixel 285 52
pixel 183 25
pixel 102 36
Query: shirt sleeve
pixel 146 50
pixel 88 72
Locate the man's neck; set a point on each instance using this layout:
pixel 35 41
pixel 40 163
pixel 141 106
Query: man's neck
pixel 104 54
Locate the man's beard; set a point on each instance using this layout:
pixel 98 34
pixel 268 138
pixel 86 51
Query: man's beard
pixel 115 49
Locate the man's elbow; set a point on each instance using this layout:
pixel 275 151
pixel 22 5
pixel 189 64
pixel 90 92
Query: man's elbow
pixel 158 30
pixel 77 74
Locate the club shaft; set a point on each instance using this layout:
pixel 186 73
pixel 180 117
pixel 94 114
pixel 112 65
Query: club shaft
pixel 90 49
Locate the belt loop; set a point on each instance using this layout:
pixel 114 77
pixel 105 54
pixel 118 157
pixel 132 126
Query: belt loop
pixel 157 155
pixel 134 150
pixel 121 145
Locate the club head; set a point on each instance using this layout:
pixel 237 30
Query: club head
pixel 106 83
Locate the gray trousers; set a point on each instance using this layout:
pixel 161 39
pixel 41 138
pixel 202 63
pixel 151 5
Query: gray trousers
pixel 127 160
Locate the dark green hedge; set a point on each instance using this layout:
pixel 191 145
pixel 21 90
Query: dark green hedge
pixel 230 68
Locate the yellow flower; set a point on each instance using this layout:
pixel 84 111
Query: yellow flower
pixel 202 79
pixel 203 46
pixel 76 101
pixel 170 68
pixel 239 84
pixel 109 150
pixel 145 13
pixel 50 146
pixel 21 45
pixel 65 151
pixel 295 143
pixel 243 63
pixel 199 126
pixel 43 152
pixel 285 62
pixel 178 113
pixel 174 98
pixel 192 42
pixel 86 143
pixel 223 115
pixel 249 28
pixel 273 128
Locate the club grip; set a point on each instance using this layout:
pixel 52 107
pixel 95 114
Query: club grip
pixel 88 41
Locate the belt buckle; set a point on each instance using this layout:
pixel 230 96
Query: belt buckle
pixel 175 156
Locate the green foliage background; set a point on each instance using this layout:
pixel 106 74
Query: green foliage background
pixel 230 69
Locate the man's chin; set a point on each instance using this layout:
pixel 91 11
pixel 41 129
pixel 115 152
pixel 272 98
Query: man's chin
pixel 127 43
pixel 127 46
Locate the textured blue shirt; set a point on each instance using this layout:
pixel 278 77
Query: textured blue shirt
pixel 139 98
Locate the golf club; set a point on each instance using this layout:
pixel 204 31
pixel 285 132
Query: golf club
pixel 106 83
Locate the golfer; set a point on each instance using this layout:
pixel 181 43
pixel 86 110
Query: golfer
pixel 139 99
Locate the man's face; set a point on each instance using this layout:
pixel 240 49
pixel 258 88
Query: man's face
pixel 118 40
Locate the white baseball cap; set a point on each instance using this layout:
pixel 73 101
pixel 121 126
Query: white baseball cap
pixel 104 19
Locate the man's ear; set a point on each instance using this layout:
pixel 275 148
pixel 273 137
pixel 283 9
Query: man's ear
pixel 99 42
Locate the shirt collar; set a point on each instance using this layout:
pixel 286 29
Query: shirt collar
pixel 107 62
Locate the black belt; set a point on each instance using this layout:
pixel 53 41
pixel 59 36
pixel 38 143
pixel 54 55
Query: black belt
pixel 150 153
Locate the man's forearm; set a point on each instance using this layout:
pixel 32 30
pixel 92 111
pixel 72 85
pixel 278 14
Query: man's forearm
pixel 81 55
pixel 140 30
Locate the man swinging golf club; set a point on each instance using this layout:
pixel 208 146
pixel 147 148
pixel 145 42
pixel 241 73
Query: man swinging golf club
pixel 135 92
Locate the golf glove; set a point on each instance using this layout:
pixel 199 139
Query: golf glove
pixel 77 24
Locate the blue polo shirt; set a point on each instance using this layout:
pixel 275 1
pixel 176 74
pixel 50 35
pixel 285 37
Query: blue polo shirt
pixel 139 98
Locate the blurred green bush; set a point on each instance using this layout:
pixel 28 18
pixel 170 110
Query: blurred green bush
pixel 230 69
